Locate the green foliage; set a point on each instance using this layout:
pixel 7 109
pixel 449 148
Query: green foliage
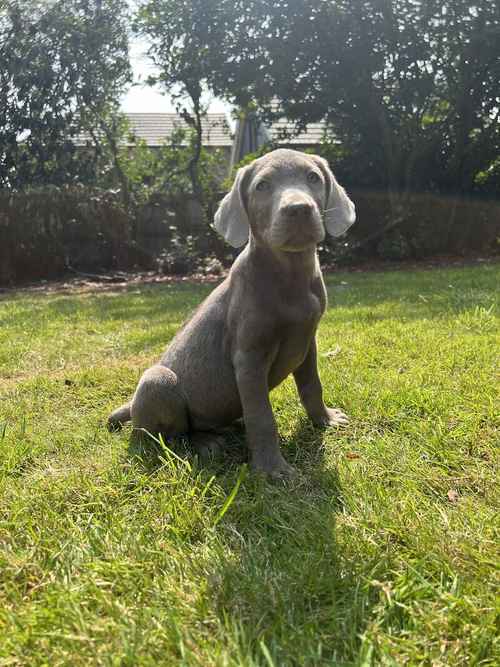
pixel 409 88
pixel 165 171
pixel 186 40
pixel 409 91
pixel 185 45
pixel 248 159
pixel 47 230
pixel 189 255
pixel 383 551
pixel 488 180
pixel 182 256
pixel 63 65
pixel 394 246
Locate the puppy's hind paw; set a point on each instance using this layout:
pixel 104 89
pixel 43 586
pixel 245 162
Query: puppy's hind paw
pixel 113 425
pixel 208 446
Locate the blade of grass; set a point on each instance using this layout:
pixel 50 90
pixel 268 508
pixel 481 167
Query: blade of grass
pixel 230 499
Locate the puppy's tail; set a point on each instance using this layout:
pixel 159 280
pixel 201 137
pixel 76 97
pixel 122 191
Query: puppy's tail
pixel 119 417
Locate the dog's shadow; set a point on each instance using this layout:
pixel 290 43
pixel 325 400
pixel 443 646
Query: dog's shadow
pixel 304 449
pixel 281 558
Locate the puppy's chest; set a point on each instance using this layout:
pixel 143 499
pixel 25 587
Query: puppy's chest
pixel 299 312
pixel 297 324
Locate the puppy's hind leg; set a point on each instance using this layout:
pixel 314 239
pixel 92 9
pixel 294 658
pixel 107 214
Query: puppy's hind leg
pixel 158 405
pixel 119 417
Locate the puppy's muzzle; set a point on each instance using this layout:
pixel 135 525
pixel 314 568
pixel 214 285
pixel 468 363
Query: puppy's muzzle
pixel 297 222
pixel 297 210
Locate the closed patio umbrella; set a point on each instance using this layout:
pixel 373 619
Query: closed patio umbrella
pixel 249 136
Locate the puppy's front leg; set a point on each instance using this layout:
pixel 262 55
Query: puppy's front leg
pixel 261 431
pixel 311 392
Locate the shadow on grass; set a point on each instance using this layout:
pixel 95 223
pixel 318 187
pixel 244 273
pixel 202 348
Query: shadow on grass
pixel 284 581
pixel 281 577
pixel 150 454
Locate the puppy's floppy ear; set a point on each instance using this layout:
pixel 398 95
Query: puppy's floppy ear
pixel 340 212
pixel 231 218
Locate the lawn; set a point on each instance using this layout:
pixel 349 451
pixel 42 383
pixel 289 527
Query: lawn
pixel 383 551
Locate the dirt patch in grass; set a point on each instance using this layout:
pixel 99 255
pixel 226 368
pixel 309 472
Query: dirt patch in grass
pixel 119 280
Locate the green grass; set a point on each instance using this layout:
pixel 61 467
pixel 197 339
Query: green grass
pixel 383 552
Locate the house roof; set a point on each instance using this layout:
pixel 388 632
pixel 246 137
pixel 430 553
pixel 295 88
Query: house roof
pixel 155 128
pixel 283 132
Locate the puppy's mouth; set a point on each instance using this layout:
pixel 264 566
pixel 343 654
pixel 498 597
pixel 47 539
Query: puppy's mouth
pixel 298 246
pixel 301 240
pixel 296 233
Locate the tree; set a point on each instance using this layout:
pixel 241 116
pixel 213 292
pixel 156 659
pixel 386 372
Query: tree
pixel 63 66
pixel 182 35
pixel 409 86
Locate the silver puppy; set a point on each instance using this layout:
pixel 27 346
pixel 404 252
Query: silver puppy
pixel 259 325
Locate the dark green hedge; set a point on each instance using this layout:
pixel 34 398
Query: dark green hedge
pixel 46 232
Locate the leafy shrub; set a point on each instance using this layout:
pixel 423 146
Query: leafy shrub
pixel 181 257
pixel 394 246
pixel 188 255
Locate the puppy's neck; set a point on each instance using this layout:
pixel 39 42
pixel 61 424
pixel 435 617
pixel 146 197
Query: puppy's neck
pixel 298 267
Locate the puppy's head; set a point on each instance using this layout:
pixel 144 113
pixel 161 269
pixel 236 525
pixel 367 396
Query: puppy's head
pixel 281 197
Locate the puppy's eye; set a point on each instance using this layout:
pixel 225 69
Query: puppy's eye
pixel 313 177
pixel 262 186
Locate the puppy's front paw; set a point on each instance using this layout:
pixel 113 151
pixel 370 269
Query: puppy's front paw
pixel 332 417
pixel 275 468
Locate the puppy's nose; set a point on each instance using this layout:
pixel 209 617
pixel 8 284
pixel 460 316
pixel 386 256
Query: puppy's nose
pixel 296 210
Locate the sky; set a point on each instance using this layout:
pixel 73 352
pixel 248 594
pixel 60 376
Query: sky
pixel 143 98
